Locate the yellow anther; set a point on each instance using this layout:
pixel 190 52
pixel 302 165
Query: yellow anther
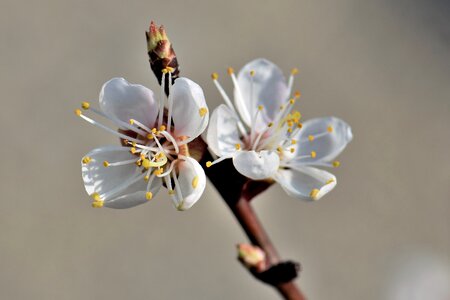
pixel 330 181
pixel 154 130
pixel 299 125
pixel 195 182
pixel 138 163
pixel 161 157
pixel 150 136
pixel 170 69
pixel 162 128
pixel 131 121
pixel 314 193
pixel 106 164
pixel 78 112
pixel 292 101
pixel 85 105
pixel 97 204
pixel 146 178
pixel 202 111
pixel 149 195
pixel 270 124
pixel 290 123
pixel 230 70
pixel 252 73
pixel 336 163
pixel 311 138
pixel 296 114
pixel 208 164
pixel 214 76
pixel 237 146
pixel 146 164
pixel 330 129
pixel 96 197
pixel 171 192
pixel 142 156
pixel 289 130
pixel 294 141
pixel 297 94
pixel 133 150
pixel 292 150
pixel 86 160
pixel 158 171
pixel 260 107
pixel 279 149
pixel 294 71
pixel 313 154
pixel 164 71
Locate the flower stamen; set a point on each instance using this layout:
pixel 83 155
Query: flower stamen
pixel 139 124
pixel 227 99
pixel 239 98
pixel 170 100
pixel 211 163
pixel 195 182
pixel 294 72
pixel 163 94
pixel 86 160
pixel 314 193
pixel 100 125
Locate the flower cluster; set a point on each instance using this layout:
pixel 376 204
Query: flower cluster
pixel 260 131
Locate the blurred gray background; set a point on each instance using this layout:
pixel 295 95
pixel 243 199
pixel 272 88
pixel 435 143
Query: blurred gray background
pixel 383 66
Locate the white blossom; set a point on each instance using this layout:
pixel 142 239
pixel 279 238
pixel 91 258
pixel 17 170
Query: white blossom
pixel 155 147
pixel 262 133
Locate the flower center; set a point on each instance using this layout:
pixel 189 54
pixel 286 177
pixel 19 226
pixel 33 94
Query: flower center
pixel 277 135
pixel 158 151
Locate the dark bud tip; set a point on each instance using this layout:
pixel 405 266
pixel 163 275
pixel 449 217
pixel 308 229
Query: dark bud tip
pixel 161 53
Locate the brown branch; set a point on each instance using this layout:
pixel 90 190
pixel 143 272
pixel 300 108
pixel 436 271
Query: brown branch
pixel 250 224
pixel 257 235
pixel 237 191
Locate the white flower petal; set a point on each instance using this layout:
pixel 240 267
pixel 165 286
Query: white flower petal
pixel 126 101
pixel 222 134
pixel 328 146
pixel 305 183
pixel 97 178
pixel 192 181
pixel 134 195
pixel 190 112
pixel 269 90
pixel 256 165
pixel 126 201
pixel 115 182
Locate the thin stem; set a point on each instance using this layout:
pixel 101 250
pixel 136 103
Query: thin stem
pixel 252 226
pixel 255 231
pixel 290 291
pixel 238 199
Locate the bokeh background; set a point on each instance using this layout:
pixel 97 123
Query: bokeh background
pixel 383 233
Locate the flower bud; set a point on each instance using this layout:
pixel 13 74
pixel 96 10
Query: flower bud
pixel 252 257
pixel 160 52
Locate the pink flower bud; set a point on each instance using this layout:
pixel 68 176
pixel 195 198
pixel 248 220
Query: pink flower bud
pixel 252 257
